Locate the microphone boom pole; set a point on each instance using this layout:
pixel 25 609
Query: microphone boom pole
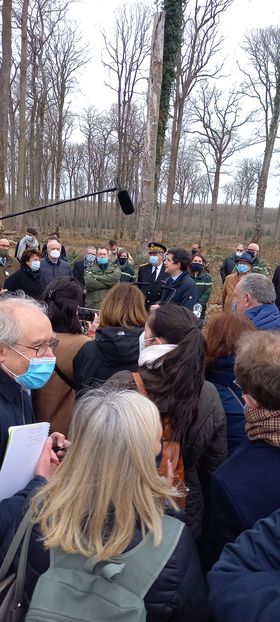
pixel 61 202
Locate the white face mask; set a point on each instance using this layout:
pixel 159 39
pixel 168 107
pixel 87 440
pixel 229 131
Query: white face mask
pixel 239 253
pixel 55 254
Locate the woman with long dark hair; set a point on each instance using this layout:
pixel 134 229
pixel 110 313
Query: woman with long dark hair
pixel 171 368
pixel 54 402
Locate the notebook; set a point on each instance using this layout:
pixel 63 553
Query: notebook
pixel 25 443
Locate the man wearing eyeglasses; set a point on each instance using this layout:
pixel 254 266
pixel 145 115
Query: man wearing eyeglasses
pixel 26 360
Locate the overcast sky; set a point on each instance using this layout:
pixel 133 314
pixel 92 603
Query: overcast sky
pixel 93 15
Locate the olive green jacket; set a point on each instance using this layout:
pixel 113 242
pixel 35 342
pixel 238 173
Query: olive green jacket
pixel 98 283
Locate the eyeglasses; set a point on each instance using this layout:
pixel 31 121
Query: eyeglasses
pixel 42 349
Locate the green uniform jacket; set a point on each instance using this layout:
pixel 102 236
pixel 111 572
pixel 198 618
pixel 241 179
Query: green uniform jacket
pixel 259 266
pixel 203 283
pixel 98 283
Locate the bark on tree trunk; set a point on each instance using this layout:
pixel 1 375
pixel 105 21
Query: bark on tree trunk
pixel 22 108
pixel 148 180
pixel 5 70
pixel 262 183
pixel 214 202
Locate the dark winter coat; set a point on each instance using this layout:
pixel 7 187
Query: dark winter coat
pixel 151 289
pixel 15 408
pixel 79 268
pixel 127 272
pixel 222 376
pixel 62 254
pixel 245 488
pixel 27 280
pixel 178 594
pixel 203 451
pixel 13 508
pixel 50 271
pixel 245 582
pixel 264 317
pixel 227 266
pixel 113 350
pixel 182 291
pixel 12 265
pixel 276 283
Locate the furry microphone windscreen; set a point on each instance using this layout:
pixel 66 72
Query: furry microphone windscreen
pixel 125 202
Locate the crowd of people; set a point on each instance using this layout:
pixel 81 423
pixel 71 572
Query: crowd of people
pixel 156 491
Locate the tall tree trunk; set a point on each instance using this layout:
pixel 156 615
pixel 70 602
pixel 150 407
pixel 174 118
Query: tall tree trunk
pixel 22 108
pixel 214 202
pixel 148 176
pixel 262 183
pixel 5 70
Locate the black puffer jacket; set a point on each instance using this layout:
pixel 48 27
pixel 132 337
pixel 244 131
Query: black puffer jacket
pixel 113 350
pixel 178 594
pixel 203 451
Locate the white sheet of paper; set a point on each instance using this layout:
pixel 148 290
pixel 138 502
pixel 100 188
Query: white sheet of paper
pixel 23 451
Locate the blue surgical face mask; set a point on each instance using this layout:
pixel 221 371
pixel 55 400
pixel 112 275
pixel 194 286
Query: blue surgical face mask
pixel 35 265
pixel 242 268
pixel 29 238
pixel 153 259
pixel 37 374
pixel 102 261
pixel 91 258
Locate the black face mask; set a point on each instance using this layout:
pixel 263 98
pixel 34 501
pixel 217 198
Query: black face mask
pixel 122 261
pixel 252 253
pixel 194 251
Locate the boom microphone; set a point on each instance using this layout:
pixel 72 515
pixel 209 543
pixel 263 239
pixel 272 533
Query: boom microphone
pixel 125 202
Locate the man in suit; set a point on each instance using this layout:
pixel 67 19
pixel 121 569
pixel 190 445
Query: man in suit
pixel 81 265
pixel 180 287
pixel 151 275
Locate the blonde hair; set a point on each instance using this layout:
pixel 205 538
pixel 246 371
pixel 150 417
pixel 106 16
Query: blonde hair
pixel 124 305
pixel 107 479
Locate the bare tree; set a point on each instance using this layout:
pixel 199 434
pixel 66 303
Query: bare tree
pixel 263 85
pixel 5 70
pixel 125 59
pixel 245 181
pixel 22 107
pixel 218 122
pixel 200 44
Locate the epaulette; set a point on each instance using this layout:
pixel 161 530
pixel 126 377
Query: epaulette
pixel 144 264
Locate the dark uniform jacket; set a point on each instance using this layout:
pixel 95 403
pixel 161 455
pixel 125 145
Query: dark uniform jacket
pixel 182 291
pixel 12 265
pixel 79 268
pixel 151 289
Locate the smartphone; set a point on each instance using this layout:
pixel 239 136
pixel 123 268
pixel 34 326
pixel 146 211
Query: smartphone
pixel 87 314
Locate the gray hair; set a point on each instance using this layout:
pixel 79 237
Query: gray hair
pixel 259 287
pixel 9 306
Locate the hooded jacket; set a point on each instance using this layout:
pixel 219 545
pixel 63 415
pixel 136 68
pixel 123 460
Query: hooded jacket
pixel 264 317
pixel 114 349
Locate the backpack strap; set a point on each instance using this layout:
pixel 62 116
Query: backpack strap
pixel 236 396
pixel 137 569
pixel 15 544
pixel 139 383
pixel 63 377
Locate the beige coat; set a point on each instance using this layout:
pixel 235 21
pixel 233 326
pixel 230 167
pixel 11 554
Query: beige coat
pixel 54 402
pixel 12 265
pixel 227 294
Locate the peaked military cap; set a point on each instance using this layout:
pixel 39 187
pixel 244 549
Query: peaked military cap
pixel 156 247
